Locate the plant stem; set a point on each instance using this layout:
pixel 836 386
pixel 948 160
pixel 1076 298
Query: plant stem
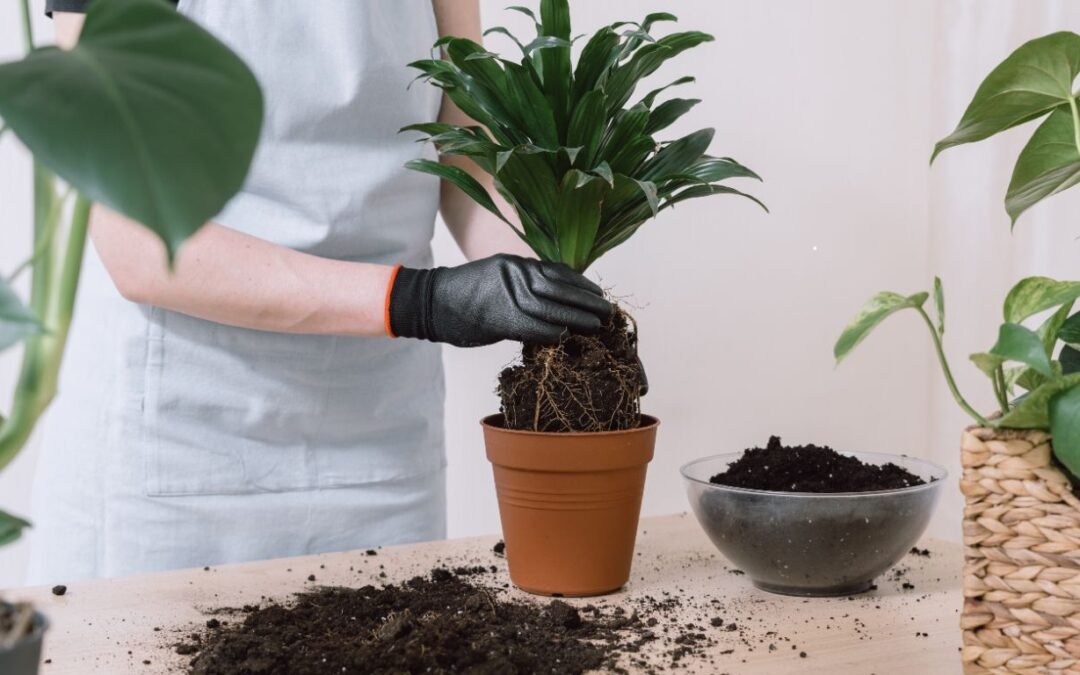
pixel 948 372
pixel 28 27
pixel 45 240
pixel 1000 390
pixel 43 353
pixel 1076 122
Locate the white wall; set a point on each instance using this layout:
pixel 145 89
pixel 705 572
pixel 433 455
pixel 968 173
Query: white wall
pixel 836 103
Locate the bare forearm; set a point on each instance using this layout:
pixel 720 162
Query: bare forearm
pixel 478 233
pixel 229 277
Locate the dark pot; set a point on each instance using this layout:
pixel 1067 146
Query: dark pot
pixel 24 656
pixel 813 544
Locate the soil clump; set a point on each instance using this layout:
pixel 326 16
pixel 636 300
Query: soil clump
pixel 584 383
pixel 811 468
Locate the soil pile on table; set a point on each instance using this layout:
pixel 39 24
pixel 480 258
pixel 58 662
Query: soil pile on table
pixel 441 624
pixel 584 383
pixel 811 468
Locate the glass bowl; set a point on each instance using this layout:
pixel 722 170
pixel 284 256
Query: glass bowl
pixel 813 544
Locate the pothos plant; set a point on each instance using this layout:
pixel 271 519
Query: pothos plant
pixel 579 158
pixel 1034 82
pixel 149 115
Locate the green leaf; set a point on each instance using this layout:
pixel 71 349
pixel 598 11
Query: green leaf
pixel 939 305
pixel 531 107
pixel 578 217
pixel 1032 81
pixel 1065 428
pixel 1069 331
pixel 555 22
pixel 1048 164
pixel 461 179
pixel 648 188
pixel 11 527
pixel 149 115
pixel 628 127
pixel 587 125
pixel 879 308
pixel 1017 343
pixel 1028 379
pixel 546 42
pixel 711 170
pixel 645 61
pixel 1049 329
pixel 1032 411
pixel 707 191
pixel 604 171
pixel 599 55
pixel 524 10
pixel 679 155
pixel 649 98
pixel 667 112
pixel 1035 294
pixel 1070 360
pixel 987 363
pixel 17 322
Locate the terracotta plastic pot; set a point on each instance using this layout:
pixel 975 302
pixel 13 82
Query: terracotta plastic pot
pixel 23 657
pixel 569 504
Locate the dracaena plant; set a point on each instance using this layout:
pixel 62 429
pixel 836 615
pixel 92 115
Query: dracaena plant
pixel 568 146
pixel 1040 364
pixel 150 115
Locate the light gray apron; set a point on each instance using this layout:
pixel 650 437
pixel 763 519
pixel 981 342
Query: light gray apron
pixel 179 442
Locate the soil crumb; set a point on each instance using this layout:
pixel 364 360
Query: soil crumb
pixel 444 623
pixel 811 468
pixel 584 383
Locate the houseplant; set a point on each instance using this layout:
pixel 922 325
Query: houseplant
pixel 577 158
pixel 149 115
pixel 1021 518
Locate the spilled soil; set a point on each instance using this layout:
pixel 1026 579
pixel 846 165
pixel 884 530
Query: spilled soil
pixel 811 468
pixel 585 383
pixel 441 623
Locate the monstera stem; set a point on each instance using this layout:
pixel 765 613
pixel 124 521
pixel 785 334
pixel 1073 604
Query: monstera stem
pixel 53 297
pixel 1076 122
pixel 28 26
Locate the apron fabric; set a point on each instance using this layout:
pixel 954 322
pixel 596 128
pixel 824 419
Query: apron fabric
pixel 177 442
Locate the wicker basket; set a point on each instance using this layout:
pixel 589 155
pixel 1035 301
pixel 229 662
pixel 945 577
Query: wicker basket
pixel 1022 556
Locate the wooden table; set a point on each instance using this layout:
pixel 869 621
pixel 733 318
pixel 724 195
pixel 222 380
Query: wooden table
pixel 127 625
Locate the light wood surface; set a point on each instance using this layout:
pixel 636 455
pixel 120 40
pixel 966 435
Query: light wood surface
pixel 113 626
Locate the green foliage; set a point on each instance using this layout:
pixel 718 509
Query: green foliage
pixel 1035 81
pixel 11 527
pixel 150 115
pixel 16 321
pixel 146 86
pixel 1053 399
pixel 579 163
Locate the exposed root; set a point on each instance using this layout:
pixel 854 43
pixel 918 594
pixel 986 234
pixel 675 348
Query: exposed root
pixel 585 383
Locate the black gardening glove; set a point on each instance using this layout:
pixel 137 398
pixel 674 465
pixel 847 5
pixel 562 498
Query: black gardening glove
pixel 499 298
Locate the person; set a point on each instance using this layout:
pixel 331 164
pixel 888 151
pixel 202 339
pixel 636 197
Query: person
pixel 250 403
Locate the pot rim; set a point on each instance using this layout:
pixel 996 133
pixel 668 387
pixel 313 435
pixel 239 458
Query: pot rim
pixel 648 422
pixel 938 476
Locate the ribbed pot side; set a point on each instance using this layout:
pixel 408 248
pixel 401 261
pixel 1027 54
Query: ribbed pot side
pixel 569 504
pixel 23 657
pixel 1022 556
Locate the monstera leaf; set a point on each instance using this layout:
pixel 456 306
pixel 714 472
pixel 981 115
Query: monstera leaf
pixel 149 114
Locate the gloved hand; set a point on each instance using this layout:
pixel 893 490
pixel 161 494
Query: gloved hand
pixel 499 298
